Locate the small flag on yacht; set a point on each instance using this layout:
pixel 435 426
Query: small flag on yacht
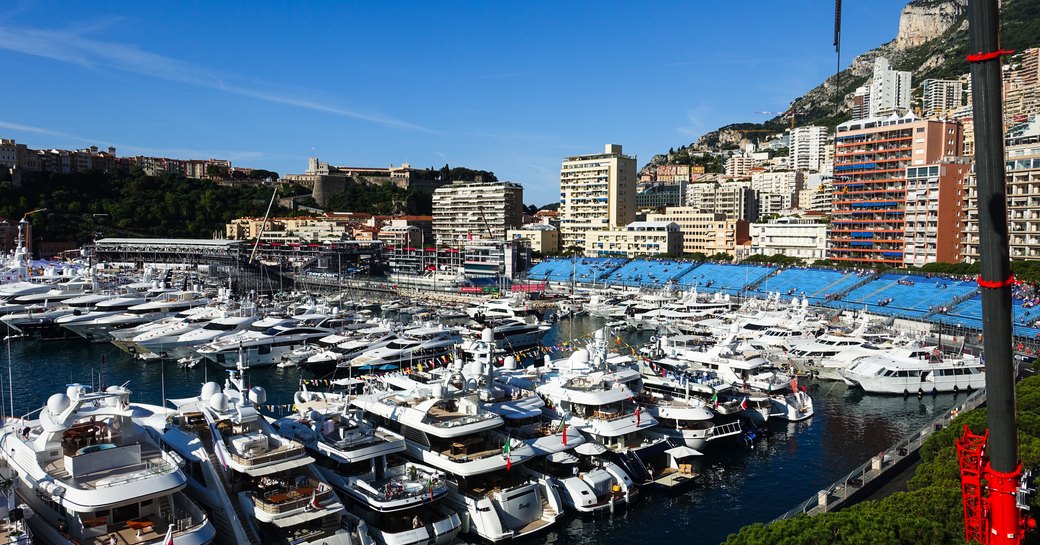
pixel 715 400
pixel 429 485
pixel 637 416
pixel 314 500
pixel 169 535
pixel 794 384
pixel 505 451
pixel 743 403
pixel 565 432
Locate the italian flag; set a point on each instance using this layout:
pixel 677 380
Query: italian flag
pixel 505 452
pixel 565 433
pixel 715 400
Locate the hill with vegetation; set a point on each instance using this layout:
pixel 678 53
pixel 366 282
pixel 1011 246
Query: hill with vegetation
pixel 83 205
pixel 932 43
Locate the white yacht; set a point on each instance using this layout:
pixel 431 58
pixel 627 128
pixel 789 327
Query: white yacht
pixel 260 487
pixel 43 321
pixel 186 343
pixel 451 432
pixel 513 334
pixel 400 501
pixel 414 346
pixel 266 341
pixel 90 325
pixel 88 472
pixel 151 337
pixel 683 414
pixel 764 389
pixel 905 372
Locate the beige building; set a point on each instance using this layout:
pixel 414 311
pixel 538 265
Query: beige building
pixel 637 239
pixel 541 237
pixel 739 165
pixel 297 230
pixel 464 211
pixel 597 192
pixel 704 232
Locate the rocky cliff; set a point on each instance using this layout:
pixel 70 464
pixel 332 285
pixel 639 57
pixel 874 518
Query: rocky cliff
pixel 931 43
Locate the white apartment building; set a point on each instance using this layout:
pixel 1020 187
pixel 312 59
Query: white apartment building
pixel 464 211
pixel 941 97
pixel 776 190
pixel 793 237
pixel 597 192
pixel 808 147
pixel 889 90
pixel 637 239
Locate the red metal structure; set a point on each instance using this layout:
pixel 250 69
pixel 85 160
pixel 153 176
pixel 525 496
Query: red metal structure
pixel 970 454
pixel 991 511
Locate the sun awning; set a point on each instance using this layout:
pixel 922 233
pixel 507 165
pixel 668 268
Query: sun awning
pixel 683 451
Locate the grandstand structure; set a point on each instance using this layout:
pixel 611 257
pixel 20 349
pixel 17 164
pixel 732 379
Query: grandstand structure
pixel 952 303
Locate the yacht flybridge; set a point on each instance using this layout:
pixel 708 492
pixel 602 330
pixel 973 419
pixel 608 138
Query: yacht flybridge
pixel 89 473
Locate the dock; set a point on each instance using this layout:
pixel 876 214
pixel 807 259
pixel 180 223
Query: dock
pixel 868 479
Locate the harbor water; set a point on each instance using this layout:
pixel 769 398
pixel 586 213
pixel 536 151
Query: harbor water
pixel 740 484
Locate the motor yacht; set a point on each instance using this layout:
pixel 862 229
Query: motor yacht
pixel 401 501
pixel 89 472
pixel 906 372
pixel 261 487
pixel 266 341
pixel 414 346
pixel 452 433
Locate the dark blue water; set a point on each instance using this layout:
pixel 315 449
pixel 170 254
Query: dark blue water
pixel 739 486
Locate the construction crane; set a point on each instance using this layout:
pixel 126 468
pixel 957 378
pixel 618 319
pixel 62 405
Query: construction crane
pixel 789 113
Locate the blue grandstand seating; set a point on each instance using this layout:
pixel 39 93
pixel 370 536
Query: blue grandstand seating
pixel 712 277
pixel 969 314
pixel 584 269
pixel 816 284
pixel 911 299
pixel 650 272
pixel 914 298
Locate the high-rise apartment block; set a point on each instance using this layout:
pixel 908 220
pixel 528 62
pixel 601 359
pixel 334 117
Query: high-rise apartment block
pixel 808 147
pixel 1023 185
pixel 597 191
pixel 464 211
pixel 887 92
pixel 889 89
pixel 941 97
pixel 1022 87
pixel 868 212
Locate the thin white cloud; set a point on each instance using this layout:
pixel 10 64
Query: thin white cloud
pixel 74 48
pixel 123 149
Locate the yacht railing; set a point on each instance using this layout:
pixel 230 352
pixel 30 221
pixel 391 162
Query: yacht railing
pixel 295 498
pixel 868 471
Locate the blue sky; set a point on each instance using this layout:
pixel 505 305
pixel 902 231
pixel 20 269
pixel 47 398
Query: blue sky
pixel 511 87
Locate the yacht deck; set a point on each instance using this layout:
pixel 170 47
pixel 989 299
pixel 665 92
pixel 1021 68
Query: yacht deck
pixel 151 463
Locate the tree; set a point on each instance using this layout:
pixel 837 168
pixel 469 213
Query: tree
pixel 217 171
